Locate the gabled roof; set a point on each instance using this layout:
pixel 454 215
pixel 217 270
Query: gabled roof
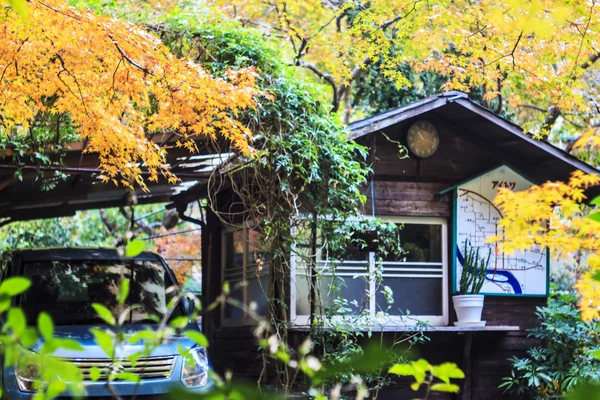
pixel 540 160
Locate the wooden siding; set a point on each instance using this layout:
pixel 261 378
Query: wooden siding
pixel 408 199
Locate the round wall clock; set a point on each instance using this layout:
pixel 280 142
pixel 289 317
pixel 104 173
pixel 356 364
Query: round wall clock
pixel 423 139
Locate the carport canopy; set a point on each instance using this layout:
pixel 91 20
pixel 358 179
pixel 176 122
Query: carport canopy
pixel 24 196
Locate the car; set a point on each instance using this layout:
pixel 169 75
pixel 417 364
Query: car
pixel 66 282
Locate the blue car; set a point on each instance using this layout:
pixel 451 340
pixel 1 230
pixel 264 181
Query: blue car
pixel 66 282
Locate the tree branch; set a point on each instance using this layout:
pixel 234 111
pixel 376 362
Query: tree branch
pixel 326 77
pixel 554 111
pixel 129 60
pixel 109 226
pixel 145 227
pixel 591 60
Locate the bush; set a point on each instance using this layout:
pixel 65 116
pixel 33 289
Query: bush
pixel 564 360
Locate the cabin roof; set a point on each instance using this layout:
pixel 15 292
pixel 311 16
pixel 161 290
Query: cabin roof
pixel 536 159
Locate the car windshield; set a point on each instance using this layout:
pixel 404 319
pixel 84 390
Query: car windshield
pixel 67 289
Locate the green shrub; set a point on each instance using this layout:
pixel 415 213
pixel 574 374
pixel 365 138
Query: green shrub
pixel 564 360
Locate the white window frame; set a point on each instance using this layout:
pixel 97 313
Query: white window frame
pixel 387 321
pixel 245 320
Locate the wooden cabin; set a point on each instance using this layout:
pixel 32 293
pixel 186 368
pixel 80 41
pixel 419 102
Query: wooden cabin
pixel 460 154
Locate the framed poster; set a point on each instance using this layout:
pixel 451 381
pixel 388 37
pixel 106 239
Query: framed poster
pixel 523 273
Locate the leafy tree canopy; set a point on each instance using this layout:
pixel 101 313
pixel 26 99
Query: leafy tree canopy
pixel 116 84
pixel 537 57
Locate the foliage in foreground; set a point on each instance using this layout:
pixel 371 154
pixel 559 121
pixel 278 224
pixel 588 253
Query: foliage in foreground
pixel 565 360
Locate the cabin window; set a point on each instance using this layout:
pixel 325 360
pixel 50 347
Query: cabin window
pixel 243 261
pixel 370 289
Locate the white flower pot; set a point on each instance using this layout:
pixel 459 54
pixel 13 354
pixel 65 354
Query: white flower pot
pixel 468 307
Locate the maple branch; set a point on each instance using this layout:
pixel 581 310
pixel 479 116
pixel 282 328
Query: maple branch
pixel 583 34
pixel 114 75
pixel 4 71
pixel 126 57
pixel 512 53
pixel 65 69
pixel 591 60
pixel 13 61
pixel 56 10
pixel 533 107
pixel 339 91
pixel 554 111
pixel 551 117
pixel 326 77
pixel 500 102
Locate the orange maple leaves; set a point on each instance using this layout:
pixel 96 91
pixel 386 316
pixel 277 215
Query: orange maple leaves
pixel 119 84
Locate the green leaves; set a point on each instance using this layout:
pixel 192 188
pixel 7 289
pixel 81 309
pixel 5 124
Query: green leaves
pixel 128 376
pixel 105 314
pixel 16 321
pixel 105 340
pixel 595 216
pixel 55 388
pixel 424 373
pixel 595 353
pixel 586 391
pixel 14 286
pixel 447 371
pixel 134 248
pixel 45 325
pixel 197 337
pixel 124 291
pixel 94 373
pixel 445 387
pixel 180 322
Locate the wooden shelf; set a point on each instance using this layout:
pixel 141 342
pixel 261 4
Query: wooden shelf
pixel 491 328
pixel 449 328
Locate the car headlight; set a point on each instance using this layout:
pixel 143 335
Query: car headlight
pixel 194 373
pixel 29 377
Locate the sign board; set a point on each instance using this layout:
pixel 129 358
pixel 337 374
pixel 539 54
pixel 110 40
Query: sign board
pixel 522 273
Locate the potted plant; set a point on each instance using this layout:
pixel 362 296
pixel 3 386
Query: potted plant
pixel 468 303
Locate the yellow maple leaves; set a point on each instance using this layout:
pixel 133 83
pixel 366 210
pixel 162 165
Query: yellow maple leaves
pixel 551 215
pixel 529 52
pixel 127 95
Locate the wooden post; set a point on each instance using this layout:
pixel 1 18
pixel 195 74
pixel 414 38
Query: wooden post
pixel 313 270
pixel 466 367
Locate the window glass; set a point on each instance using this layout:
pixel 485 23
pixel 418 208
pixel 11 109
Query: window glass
pixel 420 242
pixel 234 250
pixel 67 290
pixel 419 296
pixel 246 260
pixel 414 279
pixel 344 295
pixel 258 292
pixel 234 244
pixel 302 291
pixel 411 283
pixel 256 251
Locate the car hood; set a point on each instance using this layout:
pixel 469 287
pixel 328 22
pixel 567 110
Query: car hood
pixel 83 335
